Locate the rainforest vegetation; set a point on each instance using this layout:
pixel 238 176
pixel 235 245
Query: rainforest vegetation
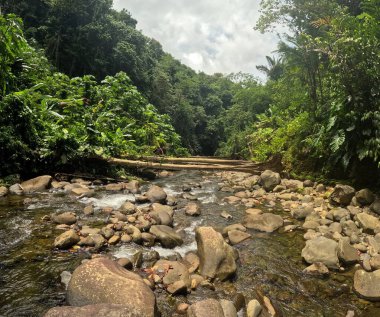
pixel 78 80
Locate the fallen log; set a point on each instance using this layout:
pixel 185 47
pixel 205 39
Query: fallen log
pixel 178 167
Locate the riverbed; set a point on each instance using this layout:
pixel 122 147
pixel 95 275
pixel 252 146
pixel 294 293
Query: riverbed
pixel 270 264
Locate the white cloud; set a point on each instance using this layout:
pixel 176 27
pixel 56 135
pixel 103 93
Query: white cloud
pixel 210 36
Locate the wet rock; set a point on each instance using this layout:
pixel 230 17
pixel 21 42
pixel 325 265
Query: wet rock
pixel 368 222
pixel 3 191
pixel 236 226
pixel 83 191
pixel 269 180
pixel 311 224
pixel 232 200
pixel 66 218
pixel 86 242
pixel 36 184
pixel 365 197
pixel 176 288
pixel 346 252
pixel 269 306
pixel 342 195
pixel 86 230
pixel 317 269
pixel 193 209
pixel 104 281
pixel 167 236
pixel 254 308
pixel 237 236
pixel 228 307
pixel 206 308
pixel 156 194
pixel 115 187
pixel 253 211
pixel 148 239
pixel 367 285
pixel 66 240
pixel 157 207
pixel 239 301
pixel 126 238
pixel 143 223
pixel 99 310
pixel 265 222
pixel 323 250
pixel 196 280
pixel 217 258
pixel 16 189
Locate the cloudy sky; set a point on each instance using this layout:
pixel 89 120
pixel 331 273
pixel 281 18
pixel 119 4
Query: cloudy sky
pixel 207 35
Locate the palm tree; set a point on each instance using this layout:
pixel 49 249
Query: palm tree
pixel 274 69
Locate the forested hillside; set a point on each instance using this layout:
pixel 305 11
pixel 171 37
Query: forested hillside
pixel 318 109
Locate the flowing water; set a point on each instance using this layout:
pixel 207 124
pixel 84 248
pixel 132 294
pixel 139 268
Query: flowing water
pixel 269 264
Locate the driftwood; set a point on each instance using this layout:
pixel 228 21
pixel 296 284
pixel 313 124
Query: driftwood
pixel 243 167
pixel 195 160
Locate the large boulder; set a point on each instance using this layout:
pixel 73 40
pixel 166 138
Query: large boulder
pixel 269 180
pixel 217 258
pixel 206 308
pixel 98 310
pixel 342 195
pixel 368 222
pixel 66 240
pixel 365 197
pixel 156 194
pixel 265 222
pixel 36 184
pixel 167 236
pixel 322 250
pixel 103 281
pixel 367 284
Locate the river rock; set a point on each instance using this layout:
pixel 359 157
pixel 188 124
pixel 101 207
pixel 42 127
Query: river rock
pixel 161 217
pixel 3 191
pixel 135 233
pixel 173 271
pixel 236 226
pixel 364 197
pixel 107 232
pixel 193 209
pixel 66 240
pixel 237 236
pixel 265 222
pixel 269 180
pixel 192 261
pixel 346 252
pixel 292 184
pixel 16 189
pixel 228 307
pixel 156 194
pixel 104 281
pixel 99 310
pixel 342 195
pixel 66 218
pixel 167 236
pixel 367 284
pixel 99 241
pixel 318 269
pixel 340 213
pixel 368 222
pixel 217 258
pixel 206 308
pixel 323 250
pixel 254 308
pixel 302 212
pixel 133 186
pixel 36 184
pixel 375 207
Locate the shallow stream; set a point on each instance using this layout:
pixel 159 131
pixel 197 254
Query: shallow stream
pixel 269 264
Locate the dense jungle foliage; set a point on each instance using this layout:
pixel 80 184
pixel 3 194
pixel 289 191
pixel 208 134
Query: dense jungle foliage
pixel 93 92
